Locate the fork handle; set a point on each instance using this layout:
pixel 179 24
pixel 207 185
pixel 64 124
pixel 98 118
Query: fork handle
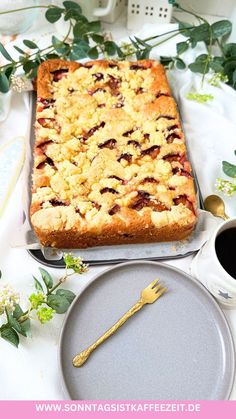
pixel 82 357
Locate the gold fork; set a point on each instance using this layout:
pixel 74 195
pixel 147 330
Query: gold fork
pixel 148 296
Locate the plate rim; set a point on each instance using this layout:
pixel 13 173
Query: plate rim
pixel 168 266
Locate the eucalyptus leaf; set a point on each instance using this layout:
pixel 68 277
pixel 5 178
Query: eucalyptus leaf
pixel 221 28
pixel 53 14
pixel 93 53
pixel 79 50
pixel 30 44
pixel 180 64
pixel 72 5
pixel 72 14
pixel 59 303
pixel 229 169
pixel 10 335
pixel 13 322
pixel 184 27
pixel 80 29
pixel 229 49
pixel 99 39
pixel 110 47
pixel 5 53
pixel 201 32
pixel 38 286
pixel 181 47
pixel 4 83
pixel 25 325
pixel 18 49
pixel 46 277
pixel 69 295
pixel 94 26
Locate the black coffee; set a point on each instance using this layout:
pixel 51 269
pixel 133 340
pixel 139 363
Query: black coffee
pixel 226 250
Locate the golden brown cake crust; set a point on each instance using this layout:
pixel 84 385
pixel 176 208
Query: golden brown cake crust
pixel 110 161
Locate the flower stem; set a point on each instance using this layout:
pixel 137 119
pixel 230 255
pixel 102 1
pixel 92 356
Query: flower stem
pixel 25 8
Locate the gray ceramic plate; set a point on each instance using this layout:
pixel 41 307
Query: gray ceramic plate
pixel 178 348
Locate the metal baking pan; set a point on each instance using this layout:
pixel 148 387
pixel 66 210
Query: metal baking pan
pixel 115 254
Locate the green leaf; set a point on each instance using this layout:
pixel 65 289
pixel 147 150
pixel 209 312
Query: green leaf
pixel 12 321
pixel 181 47
pixel 221 28
pixel 110 47
pixel 201 32
pixel 10 335
pixel 47 279
pixel 216 64
pixel 94 26
pixel 25 325
pixel 0 274
pixel 58 302
pixel 53 14
pixel 79 50
pixel 99 39
pixel 72 5
pixel 80 29
pixel 180 64
pixel 19 49
pixel 29 65
pixel 4 83
pixel 143 54
pixel 229 49
pixel 72 14
pixel 185 31
pixel 38 286
pixel 5 53
pixel 229 169
pixel 30 44
pixel 69 295
pixel 93 53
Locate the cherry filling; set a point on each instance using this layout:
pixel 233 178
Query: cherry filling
pixel 93 130
pixel 138 67
pixel 46 122
pixel 128 133
pixel 123 181
pixel 108 144
pixel 172 127
pixel 183 199
pixel 111 190
pixel 146 136
pixel 181 172
pixel 134 143
pixel 113 65
pixel 114 84
pixel 143 200
pixel 101 105
pixel 159 94
pixel 98 76
pixel 153 151
pixel 56 203
pixel 149 180
pixel 43 163
pixel 114 209
pixel 44 145
pixel 125 156
pixel 59 74
pixel 96 205
pixel 172 157
pixel 170 138
pixel 168 117
pixel 44 104
pixel 140 90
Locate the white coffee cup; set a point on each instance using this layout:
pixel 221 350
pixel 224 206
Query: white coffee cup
pixel 90 9
pixel 207 268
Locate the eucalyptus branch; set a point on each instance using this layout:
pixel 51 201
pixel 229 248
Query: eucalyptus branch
pixel 49 298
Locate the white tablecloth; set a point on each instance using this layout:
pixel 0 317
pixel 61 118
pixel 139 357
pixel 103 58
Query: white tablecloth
pixel 31 372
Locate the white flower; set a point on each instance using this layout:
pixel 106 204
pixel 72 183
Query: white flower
pixel 8 298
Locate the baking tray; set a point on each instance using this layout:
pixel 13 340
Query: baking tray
pixel 113 254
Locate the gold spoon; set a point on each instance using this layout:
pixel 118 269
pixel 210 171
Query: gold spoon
pixel 215 205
